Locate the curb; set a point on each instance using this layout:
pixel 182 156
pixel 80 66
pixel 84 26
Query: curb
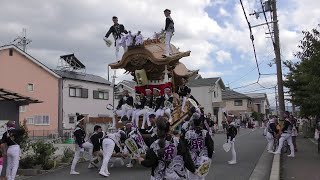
pixel 275 170
pixel 261 170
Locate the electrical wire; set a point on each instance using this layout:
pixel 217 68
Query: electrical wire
pixel 265 17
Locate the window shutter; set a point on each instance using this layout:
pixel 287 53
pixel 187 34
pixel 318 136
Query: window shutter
pixel 84 93
pixel 95 94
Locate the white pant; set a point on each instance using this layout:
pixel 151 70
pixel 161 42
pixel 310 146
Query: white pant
pixel 120 42
pixel 13 156
pixel 124 111
pixel 133 116
pixel 108 147
pixel 158 113
pixel 184 100
pixel 233 151
pixel 270 140
pixel 145 117
pixel 288 137
pixel 168 49
pixel 88 147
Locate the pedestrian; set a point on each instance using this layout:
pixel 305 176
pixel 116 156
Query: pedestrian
pixel 200 144
pixel 182 91
pixel 118 31
pixel 286 135
pixel 13 139
pixel 270 133
pixel 294 132
pixel 168 159
pixel 95 139
pixel 169 30
pixel 224 125
pixel 81 145
pixel 238 122
pixel 110 144
pixel 231 134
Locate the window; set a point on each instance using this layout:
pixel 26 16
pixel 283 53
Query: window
pixel 30 87
pixel 78 92
pixel 214 94
pixel 30 120
pixel 22 108
pixel 71 119
pixel 237 102
pixel 101 95
pixel 42 120
pixel 10 52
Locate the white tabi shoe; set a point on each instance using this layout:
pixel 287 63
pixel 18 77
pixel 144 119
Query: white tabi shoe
pixel 130 165
pixel 232 162
pixel 104 174
pixel 74 173
pixel 290 155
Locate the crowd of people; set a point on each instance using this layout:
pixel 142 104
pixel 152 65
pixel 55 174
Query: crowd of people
pixel 171 154
pixel 277 136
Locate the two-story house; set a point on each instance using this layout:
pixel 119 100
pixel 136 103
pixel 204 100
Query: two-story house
pixel 260 103
pixel 207 91
pixel 23 74
pixel 84 93
pixel 237 104
pixel 62 93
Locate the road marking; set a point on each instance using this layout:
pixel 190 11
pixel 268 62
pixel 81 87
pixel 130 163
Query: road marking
pixel 312 140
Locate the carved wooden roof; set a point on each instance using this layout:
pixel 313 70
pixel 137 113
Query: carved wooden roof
pixel 148 55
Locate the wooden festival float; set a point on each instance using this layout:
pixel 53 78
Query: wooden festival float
pixel 151 70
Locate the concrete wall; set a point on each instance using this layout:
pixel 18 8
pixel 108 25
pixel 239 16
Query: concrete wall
pixel 89 106
pixel 16 72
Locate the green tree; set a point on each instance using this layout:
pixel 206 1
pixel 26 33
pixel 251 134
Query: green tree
pixel 303 78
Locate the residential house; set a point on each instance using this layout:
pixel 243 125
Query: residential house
pixel 124 85
pixel 62 93
pixel 207 91
pixel 84 93
pixel 23 74
pixel 237 104
pixel 260 103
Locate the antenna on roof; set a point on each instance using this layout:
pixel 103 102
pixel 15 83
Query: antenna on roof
pixel 22 41
pixel 70 62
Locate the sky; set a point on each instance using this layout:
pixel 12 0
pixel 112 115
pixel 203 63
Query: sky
pixel 215 31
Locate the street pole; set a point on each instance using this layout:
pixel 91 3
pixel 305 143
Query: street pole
pixel 276 47
pixel 275 95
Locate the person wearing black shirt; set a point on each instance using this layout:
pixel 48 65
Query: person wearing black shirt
pixel 138 106
pixel 147 103
pixel 13 138
pixel 125 106
pixel 168 159
pixel 118 31
pixel 271 131
pixel 286 135
pixel 79 134
pixel 231 134
pixel 4 147
pixel 158 100
pixel 183 92
pixel 96 140
pixel 169 29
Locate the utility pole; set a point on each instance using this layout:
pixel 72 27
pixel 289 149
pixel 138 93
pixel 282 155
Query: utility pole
pixel 275 95
pixel 276 47
pixel 22 41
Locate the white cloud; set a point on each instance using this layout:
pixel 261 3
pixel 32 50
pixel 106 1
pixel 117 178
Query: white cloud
pixel 223 56
pixel 223 12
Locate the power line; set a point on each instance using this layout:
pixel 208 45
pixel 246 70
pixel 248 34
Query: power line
pixel 265 17
pixel 251 37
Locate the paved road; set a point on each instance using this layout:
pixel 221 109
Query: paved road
pixel 249 146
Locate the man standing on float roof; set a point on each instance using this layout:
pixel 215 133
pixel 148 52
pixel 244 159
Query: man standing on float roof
pixel 169 29
pixel 117 31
